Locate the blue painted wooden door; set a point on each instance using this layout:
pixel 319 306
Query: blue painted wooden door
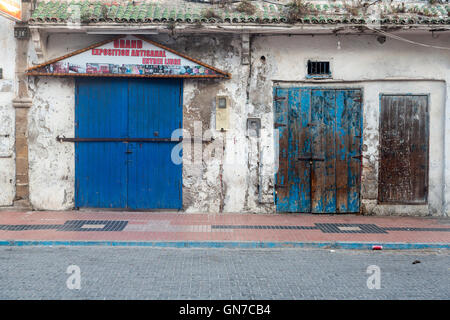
pixel 319 150
pixel 127 174
pixel 155 111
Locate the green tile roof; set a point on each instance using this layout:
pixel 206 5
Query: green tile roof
pixel 147 12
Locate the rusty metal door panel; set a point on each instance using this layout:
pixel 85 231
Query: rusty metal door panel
pixel 281 123
pixel 348 150
pixel 323 121
pixel 292 108
pixel 319 149
pixel 294 129
pixel 403 166
pixel 305 145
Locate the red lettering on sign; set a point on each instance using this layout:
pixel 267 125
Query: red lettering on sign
pixel 173 61
pixel 124 44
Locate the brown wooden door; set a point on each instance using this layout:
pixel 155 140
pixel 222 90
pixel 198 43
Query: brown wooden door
pixel 403 166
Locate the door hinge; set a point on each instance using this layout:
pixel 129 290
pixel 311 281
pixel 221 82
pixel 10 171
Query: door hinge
pixel 311 159
pixel 277 125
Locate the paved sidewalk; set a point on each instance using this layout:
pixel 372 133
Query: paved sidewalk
pixel 221 230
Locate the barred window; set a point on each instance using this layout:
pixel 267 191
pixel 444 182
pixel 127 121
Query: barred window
pixel 319 68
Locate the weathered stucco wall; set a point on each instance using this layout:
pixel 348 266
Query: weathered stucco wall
pixel 223 175
pixel 7 90
pixel 447 148
pixel 52 164
pixel 234 173
pixel 373 66
pixel 436 91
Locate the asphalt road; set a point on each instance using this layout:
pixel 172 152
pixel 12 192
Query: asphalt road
pixel 150 273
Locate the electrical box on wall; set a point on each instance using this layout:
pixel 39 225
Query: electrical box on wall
pixel 253 127
pixel 222 113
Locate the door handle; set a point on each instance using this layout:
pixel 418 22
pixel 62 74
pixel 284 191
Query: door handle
pixel 128 151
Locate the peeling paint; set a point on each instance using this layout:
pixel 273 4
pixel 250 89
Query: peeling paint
pixel 7 114
pixel 51 163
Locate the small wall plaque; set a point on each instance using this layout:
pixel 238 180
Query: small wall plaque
pixel 21 32
pixel 253 127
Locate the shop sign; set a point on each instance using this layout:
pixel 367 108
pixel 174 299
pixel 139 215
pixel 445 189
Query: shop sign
pixel 132 56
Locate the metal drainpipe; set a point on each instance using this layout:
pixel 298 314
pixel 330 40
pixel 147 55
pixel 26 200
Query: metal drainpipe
pixel 22 103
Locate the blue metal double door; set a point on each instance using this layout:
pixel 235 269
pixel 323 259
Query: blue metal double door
pixel 122 152
pixel 320 135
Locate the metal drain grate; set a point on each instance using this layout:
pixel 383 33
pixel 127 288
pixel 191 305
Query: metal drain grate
pixel 71 225
pixel 349 228
pixel 416 229
pixel 90 225
pixel 263 227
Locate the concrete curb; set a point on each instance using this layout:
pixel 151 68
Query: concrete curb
pixel 229 244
